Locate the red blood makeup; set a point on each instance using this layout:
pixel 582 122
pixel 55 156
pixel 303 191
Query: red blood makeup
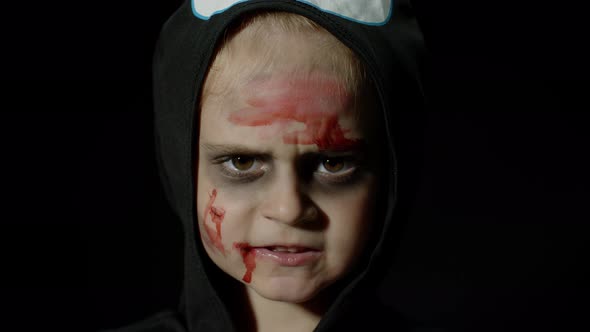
pixel 289 256
pixel 216 214
pixel 248 256
pixel 315 103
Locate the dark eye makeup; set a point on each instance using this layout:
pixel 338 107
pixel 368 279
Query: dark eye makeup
pixel 241 168
pixel 337 170
pixel 326 169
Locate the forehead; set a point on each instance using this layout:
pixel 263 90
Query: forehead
pixel 291 96
pixel 312 111
pixel 287 92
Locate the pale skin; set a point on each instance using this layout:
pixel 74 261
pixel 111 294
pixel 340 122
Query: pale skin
pixel 263 179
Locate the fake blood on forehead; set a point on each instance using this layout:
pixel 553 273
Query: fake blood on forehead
pixel 316 105
pixel 248 256
pixel 217 214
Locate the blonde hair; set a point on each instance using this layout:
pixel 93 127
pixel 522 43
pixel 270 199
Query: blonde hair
pixel 252 45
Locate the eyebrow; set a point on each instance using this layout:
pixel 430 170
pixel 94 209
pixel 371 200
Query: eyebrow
pixel 232 149
pixel 236 149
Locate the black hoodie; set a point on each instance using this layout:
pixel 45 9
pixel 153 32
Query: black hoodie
pixel 385 35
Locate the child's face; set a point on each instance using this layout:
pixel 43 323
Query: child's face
pixel 281 167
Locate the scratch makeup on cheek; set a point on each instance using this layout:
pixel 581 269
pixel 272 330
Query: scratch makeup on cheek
pixel 217 214
pixel 316 104
pixel 248 256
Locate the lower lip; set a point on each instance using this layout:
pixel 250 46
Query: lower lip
pixel 288 258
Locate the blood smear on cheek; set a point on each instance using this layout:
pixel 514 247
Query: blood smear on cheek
pixel 248 257
pixel 217 214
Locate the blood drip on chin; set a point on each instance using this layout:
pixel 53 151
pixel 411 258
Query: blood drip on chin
pixel 248 258
pixel 217 215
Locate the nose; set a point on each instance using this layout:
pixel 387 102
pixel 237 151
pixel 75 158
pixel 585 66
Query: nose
pixel 286 203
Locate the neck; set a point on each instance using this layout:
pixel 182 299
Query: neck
pixel 259 314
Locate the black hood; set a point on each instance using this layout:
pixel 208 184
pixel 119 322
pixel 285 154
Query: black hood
pixel 391 50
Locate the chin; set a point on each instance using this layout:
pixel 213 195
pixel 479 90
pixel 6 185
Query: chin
pixel 287 289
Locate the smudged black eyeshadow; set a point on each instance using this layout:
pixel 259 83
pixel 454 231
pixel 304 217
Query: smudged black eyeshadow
pixel 307 167
pixel 236 176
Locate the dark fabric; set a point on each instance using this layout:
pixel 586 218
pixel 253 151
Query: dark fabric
pixel 392 54
pixel 162 322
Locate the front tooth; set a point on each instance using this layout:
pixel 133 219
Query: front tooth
pixel 284 249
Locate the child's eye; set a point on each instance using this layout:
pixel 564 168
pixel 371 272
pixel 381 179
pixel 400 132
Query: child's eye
pixel 332 165
pixel 241 163
pixel 336 170
pixel 327 169
pixel 241 167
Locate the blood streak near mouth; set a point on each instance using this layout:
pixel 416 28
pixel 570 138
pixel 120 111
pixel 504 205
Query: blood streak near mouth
pixel 248 256
pixel 315 105
pixel 217 214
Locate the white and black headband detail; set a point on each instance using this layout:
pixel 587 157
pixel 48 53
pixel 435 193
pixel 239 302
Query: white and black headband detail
pixel 368 12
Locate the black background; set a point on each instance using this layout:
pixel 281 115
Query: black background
pixel 497 237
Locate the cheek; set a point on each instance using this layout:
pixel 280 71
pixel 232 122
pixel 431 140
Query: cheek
pixel 220 234
pixel 211 222
pixel 351 218
pixel 222 218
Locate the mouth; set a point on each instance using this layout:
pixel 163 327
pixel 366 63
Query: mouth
pixel 286 255
pixel 283 255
